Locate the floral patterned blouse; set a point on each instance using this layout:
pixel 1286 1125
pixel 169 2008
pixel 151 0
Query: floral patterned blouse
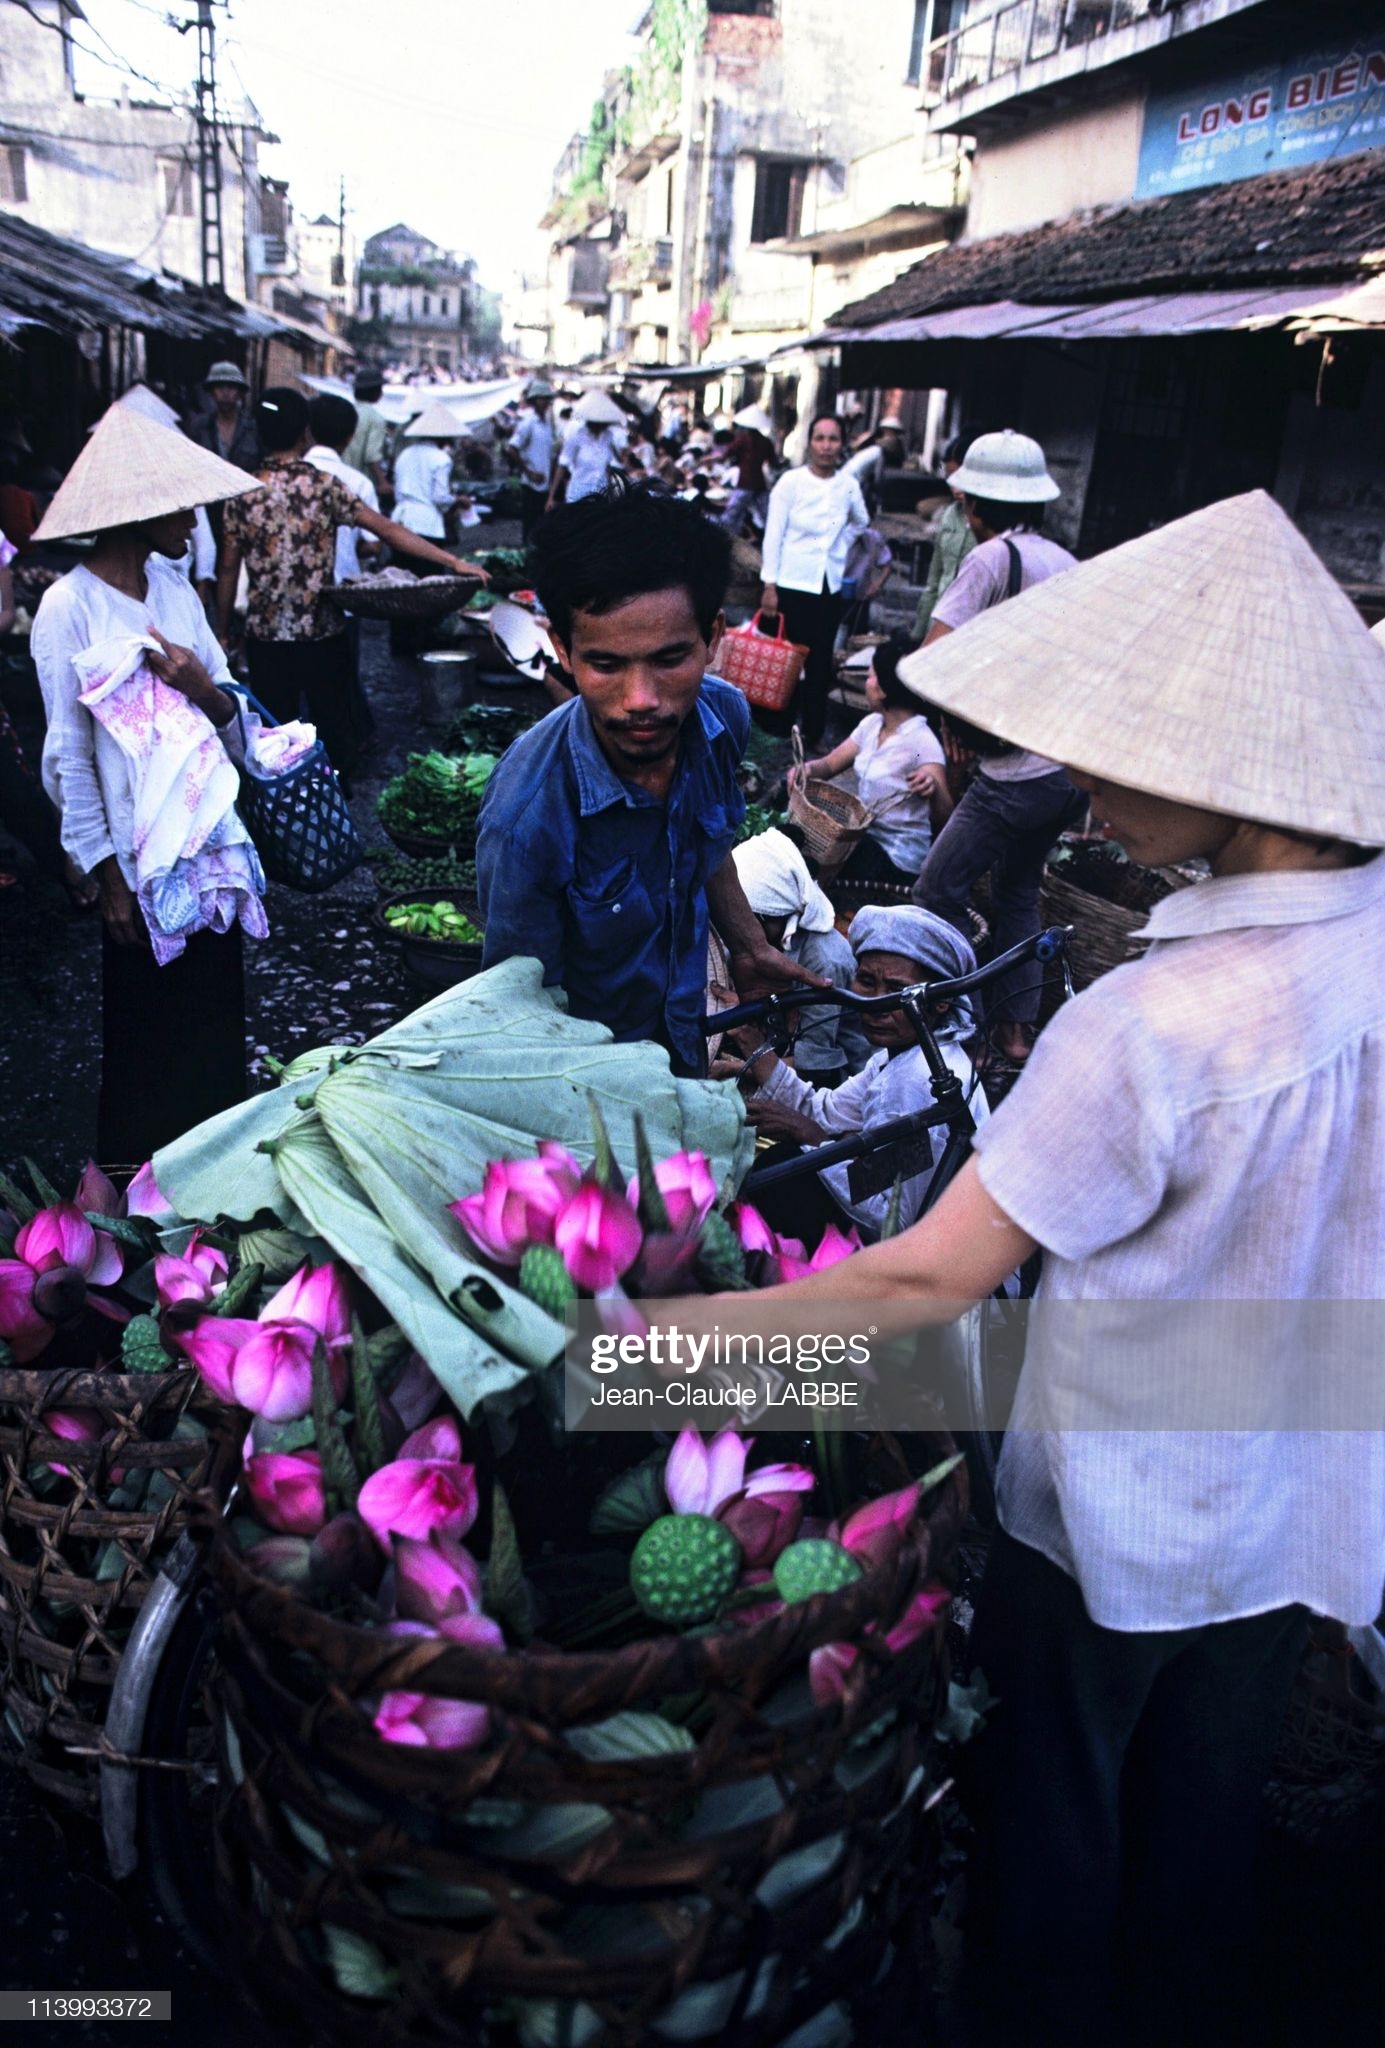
pixel 287 535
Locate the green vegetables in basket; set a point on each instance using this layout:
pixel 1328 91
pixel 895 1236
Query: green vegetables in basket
pixel 509 569
pixel 400 874
pixel 485 728
pixel 441 921
pixel 438 796
pixel 759 819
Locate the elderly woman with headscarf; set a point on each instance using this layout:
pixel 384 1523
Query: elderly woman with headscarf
pixel 796 916
pixel 895 946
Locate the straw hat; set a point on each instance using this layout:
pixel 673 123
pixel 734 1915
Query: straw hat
pixel 225 373
pixel 537 388
pixel 132 468
pixel 754 417
pixel 1213 661
pixel 1008 467
pixel 599 410
pixel 436 422
pixel 140 398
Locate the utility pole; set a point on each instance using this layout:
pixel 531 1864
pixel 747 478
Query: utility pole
pixel 339 278
pixel 209 153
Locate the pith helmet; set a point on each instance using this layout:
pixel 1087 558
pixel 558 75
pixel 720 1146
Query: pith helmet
pixel 1008 467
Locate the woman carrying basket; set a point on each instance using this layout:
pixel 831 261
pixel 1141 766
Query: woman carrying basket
pixel 141 738
pixel 814 514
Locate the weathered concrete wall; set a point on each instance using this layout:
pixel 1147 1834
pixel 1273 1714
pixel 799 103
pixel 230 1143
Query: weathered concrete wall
pixel 1332 477
pixel 1089 159
pixel 95 170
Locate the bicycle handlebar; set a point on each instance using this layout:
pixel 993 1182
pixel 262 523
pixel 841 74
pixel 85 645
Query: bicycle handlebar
pixel 1050 944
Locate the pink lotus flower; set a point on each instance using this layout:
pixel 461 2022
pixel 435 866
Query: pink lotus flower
pixel 286 1488
pixel 875 1532
pixel 420 1721
pixel 830 1666
pixel 414 1496
pixel 317 1296
pixel 25 1331
pixel 144 1197
pixel 599 1236
pixel 751 1228
pixel 58 1257
pixel 194 1277
pixel 212 1345
pixel 763 1524
pixel 77 1426
pixel 519 1203
pixel 701 1478
pixel 97 1193
pixel 272 1372
pixel 435 1579
pixel 831 1251
pixel 439 1438
pixel 686 1184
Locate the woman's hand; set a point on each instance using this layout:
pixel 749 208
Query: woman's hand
pixel 928 780
pixel 180 668
pixel 769 598
pixel 118 905
pixel 777 1120
pixel 461 568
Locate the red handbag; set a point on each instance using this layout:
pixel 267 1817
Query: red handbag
pixel 766 667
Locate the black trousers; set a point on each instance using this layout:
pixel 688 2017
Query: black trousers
pixel 172 1042
pixel 811 619
pixel 533 505
pixel 1117 1792
pixel 24 808
pixel 312 679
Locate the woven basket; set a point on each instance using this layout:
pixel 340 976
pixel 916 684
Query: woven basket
pixel 75 1564
pixel 427 597
pixel 1327 1783
pixel 747 1881
pixel 1104 932
pixel 833 821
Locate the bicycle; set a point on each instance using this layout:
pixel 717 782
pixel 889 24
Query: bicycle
pixel 978 1362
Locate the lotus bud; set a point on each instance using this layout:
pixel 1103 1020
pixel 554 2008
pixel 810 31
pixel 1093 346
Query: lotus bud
pixel 763 1524
pixel 343 1555
pixel 287 1491
pixel 60 1292
pixel 599 1236
pixel 435 1579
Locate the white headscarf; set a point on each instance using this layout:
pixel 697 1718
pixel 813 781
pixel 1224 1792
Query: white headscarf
pixel 917 934
pixel 775 878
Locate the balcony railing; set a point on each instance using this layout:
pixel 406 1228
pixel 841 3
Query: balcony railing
pixel 1025 32
pixel 643 263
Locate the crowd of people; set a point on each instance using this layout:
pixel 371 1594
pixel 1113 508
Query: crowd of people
pixel 1205 1123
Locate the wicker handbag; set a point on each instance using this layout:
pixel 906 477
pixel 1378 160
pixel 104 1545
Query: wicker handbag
pixel 765 666
pixel 300 821
pixel 833 821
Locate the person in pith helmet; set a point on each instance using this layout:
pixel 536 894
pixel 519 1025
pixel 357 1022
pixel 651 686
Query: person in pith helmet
pixel 1017 802
pixel 1195 1461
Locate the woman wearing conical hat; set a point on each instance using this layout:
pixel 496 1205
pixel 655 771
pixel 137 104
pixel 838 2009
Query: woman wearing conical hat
pixel 1196 1458
pixel 173 1036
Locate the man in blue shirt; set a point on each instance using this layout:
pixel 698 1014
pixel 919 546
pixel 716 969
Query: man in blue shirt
pixel 606 832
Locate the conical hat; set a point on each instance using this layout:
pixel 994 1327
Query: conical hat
pixel 140 398
pixel 132 469
pixel 1213 661
pixel 598 409
pixel 436 422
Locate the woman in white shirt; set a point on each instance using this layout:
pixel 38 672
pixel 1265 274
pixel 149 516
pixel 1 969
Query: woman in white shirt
pixel 423 473
pixel 814 513
pixel 898 761
pixel 591 452
pixel 173 1036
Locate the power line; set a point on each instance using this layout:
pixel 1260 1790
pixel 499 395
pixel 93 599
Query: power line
pixel 113 61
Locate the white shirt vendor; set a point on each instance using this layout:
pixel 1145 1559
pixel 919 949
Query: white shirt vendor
pixel 348 562
pixel 533 442
pixel 882 769
pixel 808 532
pixel 423 487
pixel 1197 1160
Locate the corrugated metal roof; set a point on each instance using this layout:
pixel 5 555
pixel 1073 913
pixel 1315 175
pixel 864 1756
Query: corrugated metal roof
pixel 1113 320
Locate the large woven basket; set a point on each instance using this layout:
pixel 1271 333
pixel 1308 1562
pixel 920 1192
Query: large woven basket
pixel 832 820
pixel 75 1560
pixel 427 597
pixel 1104 931
pixel 727 1891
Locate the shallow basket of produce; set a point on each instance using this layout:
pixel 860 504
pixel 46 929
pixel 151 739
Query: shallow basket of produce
pixel 440 942
pixel 433 804
pixel 702 1836
pixel 403 596
pixel 100 1470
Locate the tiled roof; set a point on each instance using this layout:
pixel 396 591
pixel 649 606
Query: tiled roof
pixel 1284 227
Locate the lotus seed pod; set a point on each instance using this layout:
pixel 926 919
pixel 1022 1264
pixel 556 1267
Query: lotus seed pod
pixel 812 1566
pixel 684 1569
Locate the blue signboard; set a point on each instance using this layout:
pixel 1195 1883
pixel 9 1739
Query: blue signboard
pixel 1328 101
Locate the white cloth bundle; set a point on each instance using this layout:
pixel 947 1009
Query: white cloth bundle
pixel 195 867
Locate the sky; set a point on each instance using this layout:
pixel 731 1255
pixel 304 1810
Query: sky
pixel 447 114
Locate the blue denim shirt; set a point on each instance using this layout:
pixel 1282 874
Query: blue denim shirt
pixel 602 882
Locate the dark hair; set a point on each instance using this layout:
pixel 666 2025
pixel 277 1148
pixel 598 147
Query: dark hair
pixel 282 418
pixel 332 420
pixel 622 543
pixel 368 384
pixel 1004 516
pixel 830 418
pixel 959 447
pixel 885 661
